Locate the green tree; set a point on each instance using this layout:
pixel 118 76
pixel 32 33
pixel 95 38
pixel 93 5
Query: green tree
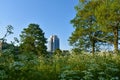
pixel 76 51
pixel 57 52
pixel 33 40
pixel 97 21
pixel 9 31
pixel 86 30
pixel 108 17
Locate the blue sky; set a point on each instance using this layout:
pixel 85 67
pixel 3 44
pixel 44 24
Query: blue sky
pixel 53 16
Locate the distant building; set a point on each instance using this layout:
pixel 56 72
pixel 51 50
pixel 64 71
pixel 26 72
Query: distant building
pixel 53 43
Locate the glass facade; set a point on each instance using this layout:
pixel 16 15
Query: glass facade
pixel 53 43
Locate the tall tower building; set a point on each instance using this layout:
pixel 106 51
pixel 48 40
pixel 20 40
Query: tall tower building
pixel 53 43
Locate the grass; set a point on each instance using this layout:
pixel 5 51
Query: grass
pixel 57 67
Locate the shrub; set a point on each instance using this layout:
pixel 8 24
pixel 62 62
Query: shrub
pixel 28 66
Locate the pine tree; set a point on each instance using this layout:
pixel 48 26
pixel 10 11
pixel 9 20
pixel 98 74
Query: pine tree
pixel 108 17
pixel 86 30
pixel 33 40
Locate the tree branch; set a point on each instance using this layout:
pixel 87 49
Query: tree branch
pixel 102 40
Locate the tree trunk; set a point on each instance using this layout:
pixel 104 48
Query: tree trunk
pixel 93 46
pixel 0 45
pixel 115 43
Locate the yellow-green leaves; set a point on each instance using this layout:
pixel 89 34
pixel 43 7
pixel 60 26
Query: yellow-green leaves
pixel 107 14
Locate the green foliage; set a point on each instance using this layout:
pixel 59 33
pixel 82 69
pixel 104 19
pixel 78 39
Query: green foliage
pixel 10 47
pixel 57 52
pixel 86 33
pixel 76 50
pixel 108 16
pixel 29 66
pixel 9 31
pixel 33 40
pixel 97 21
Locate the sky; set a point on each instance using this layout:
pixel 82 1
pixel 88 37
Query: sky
pixel 53 16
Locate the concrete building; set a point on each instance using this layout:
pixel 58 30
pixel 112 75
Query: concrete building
pixel 53 43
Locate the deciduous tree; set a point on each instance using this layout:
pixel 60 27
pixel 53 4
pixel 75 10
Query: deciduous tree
pixel 9 30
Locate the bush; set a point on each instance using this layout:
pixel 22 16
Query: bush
pixel 28 66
